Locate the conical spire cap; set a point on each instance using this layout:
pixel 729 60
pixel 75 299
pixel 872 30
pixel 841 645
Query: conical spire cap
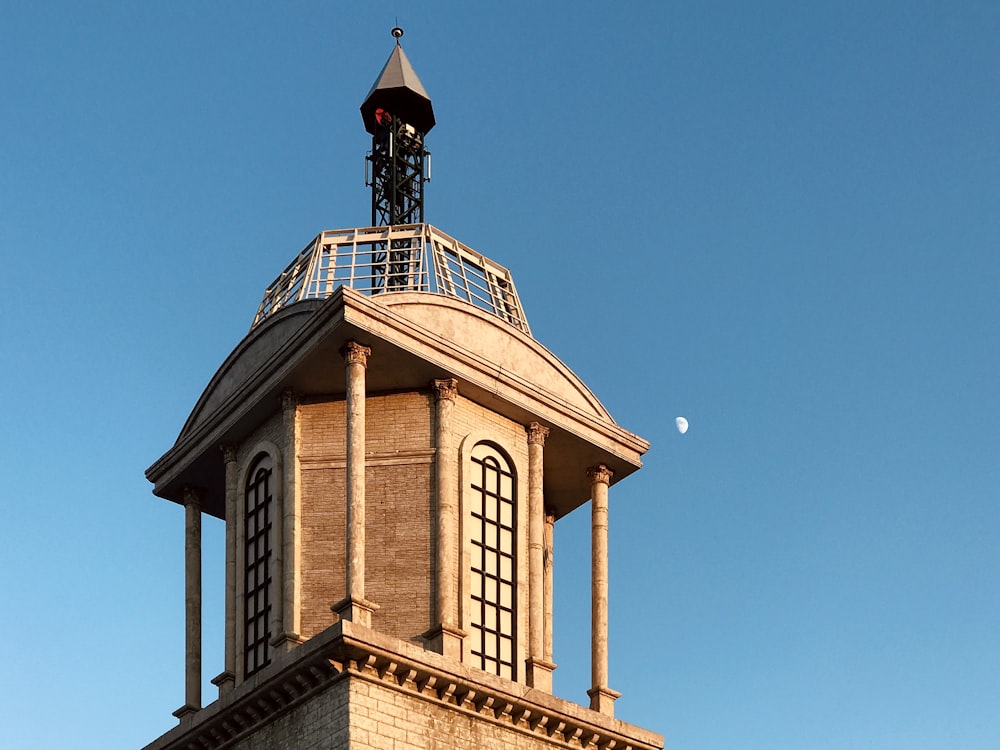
pixel 399 91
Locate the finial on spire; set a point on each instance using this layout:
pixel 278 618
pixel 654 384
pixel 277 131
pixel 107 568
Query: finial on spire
pixel 398 91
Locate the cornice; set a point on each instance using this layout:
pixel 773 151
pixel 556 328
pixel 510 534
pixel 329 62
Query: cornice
pixel 346 651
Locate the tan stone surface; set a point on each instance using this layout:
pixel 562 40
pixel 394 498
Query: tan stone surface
pixel 351 687
pixel 496 366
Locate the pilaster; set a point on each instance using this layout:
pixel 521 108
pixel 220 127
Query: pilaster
pixel 226 680
pixel 539 669
pixel 548 562
pixel 290 586
pixel 446 637
pixel 354 606
pixel 602 698
pixel 192 605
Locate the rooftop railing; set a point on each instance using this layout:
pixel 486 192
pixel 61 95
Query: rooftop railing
pixel 384 260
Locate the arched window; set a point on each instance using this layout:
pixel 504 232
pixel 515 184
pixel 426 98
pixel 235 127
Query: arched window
pixel 258 552
pixel 492 541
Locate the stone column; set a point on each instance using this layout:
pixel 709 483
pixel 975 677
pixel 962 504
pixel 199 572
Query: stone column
pixel 602 698
pixel 354 606
pixel 549 559
pixel 446 636
pixel 227 679
pixel 192 605
pixel 288 630
pixel 539 669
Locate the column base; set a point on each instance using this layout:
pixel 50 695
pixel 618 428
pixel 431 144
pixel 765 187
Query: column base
pixel 358 611
pixel 446 640
pixel 287 641
pixel 602 699
pixel 539 674
pixel 225 681
pixel 186 711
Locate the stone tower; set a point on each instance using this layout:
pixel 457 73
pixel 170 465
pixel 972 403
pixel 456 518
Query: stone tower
pixel 390 448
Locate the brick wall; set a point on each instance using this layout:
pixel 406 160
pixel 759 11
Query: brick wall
pixel 323 524
pixel 398 529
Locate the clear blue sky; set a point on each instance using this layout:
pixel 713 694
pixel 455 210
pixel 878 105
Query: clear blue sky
pixel 779 219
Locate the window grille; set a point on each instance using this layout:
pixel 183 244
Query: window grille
pixel 493 569
pixel 258 513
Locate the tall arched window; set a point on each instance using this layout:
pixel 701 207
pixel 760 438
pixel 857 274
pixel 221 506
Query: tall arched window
pixel 492 540
pixel 258 552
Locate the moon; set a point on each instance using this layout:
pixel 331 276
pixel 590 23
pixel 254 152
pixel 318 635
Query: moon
pixel 682 425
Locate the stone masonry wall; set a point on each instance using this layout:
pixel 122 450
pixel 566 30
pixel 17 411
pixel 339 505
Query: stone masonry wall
pixel 320 723
pixel 398 553
pixel 386 719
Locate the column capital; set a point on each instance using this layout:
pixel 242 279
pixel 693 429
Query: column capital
pixel 289 399
pixel 446 389
pixel 191 498
pixel 600 474
pixel 536 433
pixel 228 452
pixel 356 354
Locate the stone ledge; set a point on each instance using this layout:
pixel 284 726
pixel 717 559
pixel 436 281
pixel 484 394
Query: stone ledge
pixel 347 651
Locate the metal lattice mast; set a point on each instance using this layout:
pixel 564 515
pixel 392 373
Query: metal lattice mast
pixel 398 114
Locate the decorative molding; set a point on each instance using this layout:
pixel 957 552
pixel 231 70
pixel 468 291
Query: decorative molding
pixel 356 354
pixel 229 451
pixel 289 399
pixel 191 497
pixel 600 474
pixel 346 651
pixel 186 711
pixel 603 699
pixel 447 389
pixel 225 681
pixel 396 458
pixel 536 433
pixel 356 610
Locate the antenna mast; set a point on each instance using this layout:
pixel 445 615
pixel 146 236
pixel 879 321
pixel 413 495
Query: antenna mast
pixel 398 114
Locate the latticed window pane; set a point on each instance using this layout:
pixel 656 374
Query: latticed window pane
pixel 506 486
pixel 492 540
pixel 258 513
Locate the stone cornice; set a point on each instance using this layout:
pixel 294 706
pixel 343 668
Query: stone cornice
pixel 298 339
pixel 348 651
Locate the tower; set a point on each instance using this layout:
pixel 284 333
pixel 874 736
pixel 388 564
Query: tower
pixel 390 449
pixel 398 114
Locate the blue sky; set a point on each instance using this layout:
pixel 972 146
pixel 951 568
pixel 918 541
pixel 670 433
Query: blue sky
pixel 778 219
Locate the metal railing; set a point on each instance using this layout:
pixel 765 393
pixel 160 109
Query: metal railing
pixel 384 260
